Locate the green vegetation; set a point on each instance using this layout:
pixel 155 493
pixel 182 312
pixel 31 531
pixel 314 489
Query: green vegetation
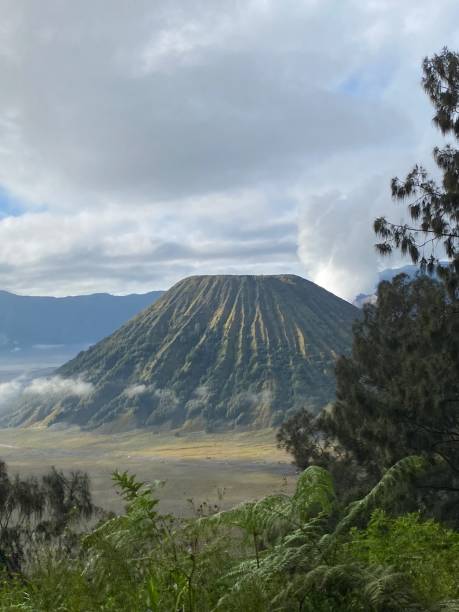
pixel 35 511
pixel 396 395
pixel 213 352
pixel 411 546
pixel 301 552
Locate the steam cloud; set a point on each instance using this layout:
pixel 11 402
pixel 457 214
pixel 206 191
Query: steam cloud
pixel 335 238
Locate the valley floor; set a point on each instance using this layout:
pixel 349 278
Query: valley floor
pixel 218 468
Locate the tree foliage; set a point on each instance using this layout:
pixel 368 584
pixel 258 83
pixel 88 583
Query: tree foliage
pixel 432 206
pixel 397 393
pixel 34 510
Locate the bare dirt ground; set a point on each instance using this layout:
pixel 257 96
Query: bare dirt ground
pixel 222 469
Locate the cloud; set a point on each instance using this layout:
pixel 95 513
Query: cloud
pixel 166 398
pixel 56 385
pixel 334 232
pixel 121 251
pixel 202 392
pixel 155 104
pixel 143 143
pixel 9 391
pixel 53 386
pixel 336 242
pixel 135 390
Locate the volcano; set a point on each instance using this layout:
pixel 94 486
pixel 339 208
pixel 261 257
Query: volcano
pixel 213 352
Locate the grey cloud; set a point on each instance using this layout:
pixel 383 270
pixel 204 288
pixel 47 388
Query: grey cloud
pixel 154 140
pixel 238 112
pixel 132 260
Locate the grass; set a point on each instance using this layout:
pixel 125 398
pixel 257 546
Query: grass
pixel 218 468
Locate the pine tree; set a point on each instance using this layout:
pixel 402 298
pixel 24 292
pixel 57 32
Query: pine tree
pixel 397 393
pixel 433 207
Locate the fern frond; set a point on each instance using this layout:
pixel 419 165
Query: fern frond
pixel 395 481
pixel 386 589
pixel 338 578
pixel 266 515
pixel 314 493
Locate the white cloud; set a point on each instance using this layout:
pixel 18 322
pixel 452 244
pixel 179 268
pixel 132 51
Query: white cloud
pixel 145 142
pixel 56 385
pixel 11 390
pixel 335 238
pixel 135 390
pixel 50 386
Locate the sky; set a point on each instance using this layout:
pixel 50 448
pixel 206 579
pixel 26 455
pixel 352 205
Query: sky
pixel 142 142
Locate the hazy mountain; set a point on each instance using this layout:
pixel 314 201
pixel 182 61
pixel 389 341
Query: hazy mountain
pixel 388 274
pixel 212 351
pixel 27 321
pixel 385 275
pixel 364 298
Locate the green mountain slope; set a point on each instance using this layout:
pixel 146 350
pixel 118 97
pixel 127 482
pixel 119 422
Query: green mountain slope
pixel 212 351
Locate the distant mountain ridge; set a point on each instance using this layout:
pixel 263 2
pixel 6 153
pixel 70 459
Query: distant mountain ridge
pixel 411 270
pixel 388 274
pixel 213 351
pixel 27 321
